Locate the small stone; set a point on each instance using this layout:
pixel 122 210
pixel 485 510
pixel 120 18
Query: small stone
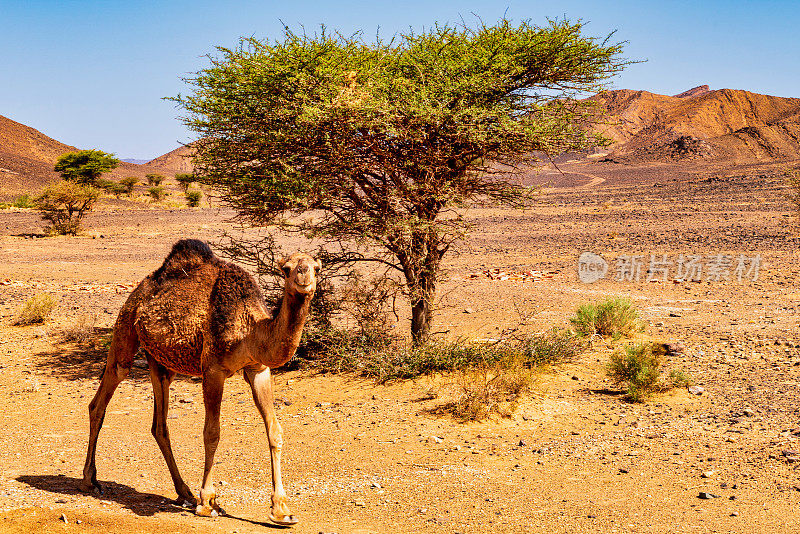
pixel 734 514
pixel 706 495
pixel 748 412
pixel 140 364
pixel 376 485
pixel 434 439
pixel 64 518
pixel 521 443
pixel 707 474
pixel 78 521
pixel 469 310
pixel 61 501
pixel 360 502
pixel 696 390
pixel 730 439
pixel 623 470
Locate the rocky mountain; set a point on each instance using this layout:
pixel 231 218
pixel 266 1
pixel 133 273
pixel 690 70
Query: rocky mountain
pixel 175 161
pixel 729 124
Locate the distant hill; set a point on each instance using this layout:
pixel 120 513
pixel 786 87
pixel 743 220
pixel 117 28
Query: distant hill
pixel 135 161
pixel 27 157
pixel 175 161
pixel 728 124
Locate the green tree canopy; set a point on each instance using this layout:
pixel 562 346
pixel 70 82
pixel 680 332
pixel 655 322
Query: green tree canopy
pixel 387 142
pixel 85 166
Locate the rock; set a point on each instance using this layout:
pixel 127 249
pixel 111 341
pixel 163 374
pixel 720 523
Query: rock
pixel 376 485
pixel 521 443
pixel 734 514
pixel 64 518
pixel 791 456
pixel 706 495
pixel 360 502
pixel 140 364
pixel 707 474
pixel 696 390
pixel 434 439
pixel 748 412
pixel 469 310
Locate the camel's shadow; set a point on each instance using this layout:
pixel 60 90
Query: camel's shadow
pixel 141 504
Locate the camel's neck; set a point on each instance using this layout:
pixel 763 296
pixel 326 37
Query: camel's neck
pixel 278 337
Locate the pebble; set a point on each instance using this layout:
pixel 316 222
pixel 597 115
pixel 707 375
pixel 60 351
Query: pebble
pixel 706 495
pixel 376 485
pixel 707 474
pixel 435 439
pixel 64 518
pixel 734 514
pixel 696 390
pixel 140 364
pixel 469 310
pixel 521 443
pixel 748 412
pixel 360 502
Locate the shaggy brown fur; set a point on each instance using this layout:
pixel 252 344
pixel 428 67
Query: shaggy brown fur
pixel 201 316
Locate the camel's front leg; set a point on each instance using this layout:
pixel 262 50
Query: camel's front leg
pixel 213 382
pixel 260 382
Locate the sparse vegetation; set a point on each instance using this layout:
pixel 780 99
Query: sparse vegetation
pixel 157 193
pixel 36 309
pixel 488 391
pixel 82 330
pixel 85 166
pixel 128 183
pixel 193 198
pixel 185 180
pixel 64 205
pixel 615 317
pixel 22 201
pixel 154 179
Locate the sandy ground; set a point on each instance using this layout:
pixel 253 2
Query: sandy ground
pixel 365 458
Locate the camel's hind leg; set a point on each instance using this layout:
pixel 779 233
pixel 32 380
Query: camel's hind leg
pixel 260 381
pixel 120 359
pixel 162 378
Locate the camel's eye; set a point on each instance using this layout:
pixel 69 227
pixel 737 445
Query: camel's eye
pixel 287 271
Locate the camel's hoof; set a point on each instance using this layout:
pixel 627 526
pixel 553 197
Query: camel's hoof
pixel 185 503
pixel 90 487
pixel 207 511
pixel 285 520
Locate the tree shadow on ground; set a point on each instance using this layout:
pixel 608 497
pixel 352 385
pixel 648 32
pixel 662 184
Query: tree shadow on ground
pixel 76 360
pixel 143 504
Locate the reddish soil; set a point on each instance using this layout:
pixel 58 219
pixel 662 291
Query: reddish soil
pixel 358 457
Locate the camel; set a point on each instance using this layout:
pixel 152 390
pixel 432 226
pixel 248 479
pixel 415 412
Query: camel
pixel 201 316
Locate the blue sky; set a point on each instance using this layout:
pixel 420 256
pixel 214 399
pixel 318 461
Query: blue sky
pixel 93 73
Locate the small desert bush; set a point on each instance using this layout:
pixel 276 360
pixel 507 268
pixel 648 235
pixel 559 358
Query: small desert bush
pixel 64 205
pixel 552 347
pixel 487 391
pixel 23 201
pixel 185 180
pixel 638 368
pixel 36 309
pixel 82 330
pixel 156 193
pixel 127 184
pixel 154 179
pixel 615 317
pixel 193 198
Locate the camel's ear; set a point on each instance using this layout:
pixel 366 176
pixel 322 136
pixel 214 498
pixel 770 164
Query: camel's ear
pixel 317 265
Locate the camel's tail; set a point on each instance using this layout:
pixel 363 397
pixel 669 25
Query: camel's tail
pixel 186 254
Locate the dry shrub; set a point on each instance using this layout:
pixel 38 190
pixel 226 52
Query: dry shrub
pixel 487 391
pixel 36 309
pixel 82 331
pixel 64 205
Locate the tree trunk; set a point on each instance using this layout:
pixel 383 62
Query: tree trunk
pixel 421 315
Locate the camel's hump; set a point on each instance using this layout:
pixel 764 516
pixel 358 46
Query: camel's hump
pixel 186 254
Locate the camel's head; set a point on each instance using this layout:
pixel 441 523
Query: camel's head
pixel 300 271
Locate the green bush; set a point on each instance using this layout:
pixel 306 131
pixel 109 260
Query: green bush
pixel 23 201
pixel 157 193
pixel 615 317
pixel 185 180
pixel 154 179
pixel 36 309
pixel 127 183
pixel 638 369
pixel 193 198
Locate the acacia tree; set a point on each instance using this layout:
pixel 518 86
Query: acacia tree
pixel 85 166
pixel 384 144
